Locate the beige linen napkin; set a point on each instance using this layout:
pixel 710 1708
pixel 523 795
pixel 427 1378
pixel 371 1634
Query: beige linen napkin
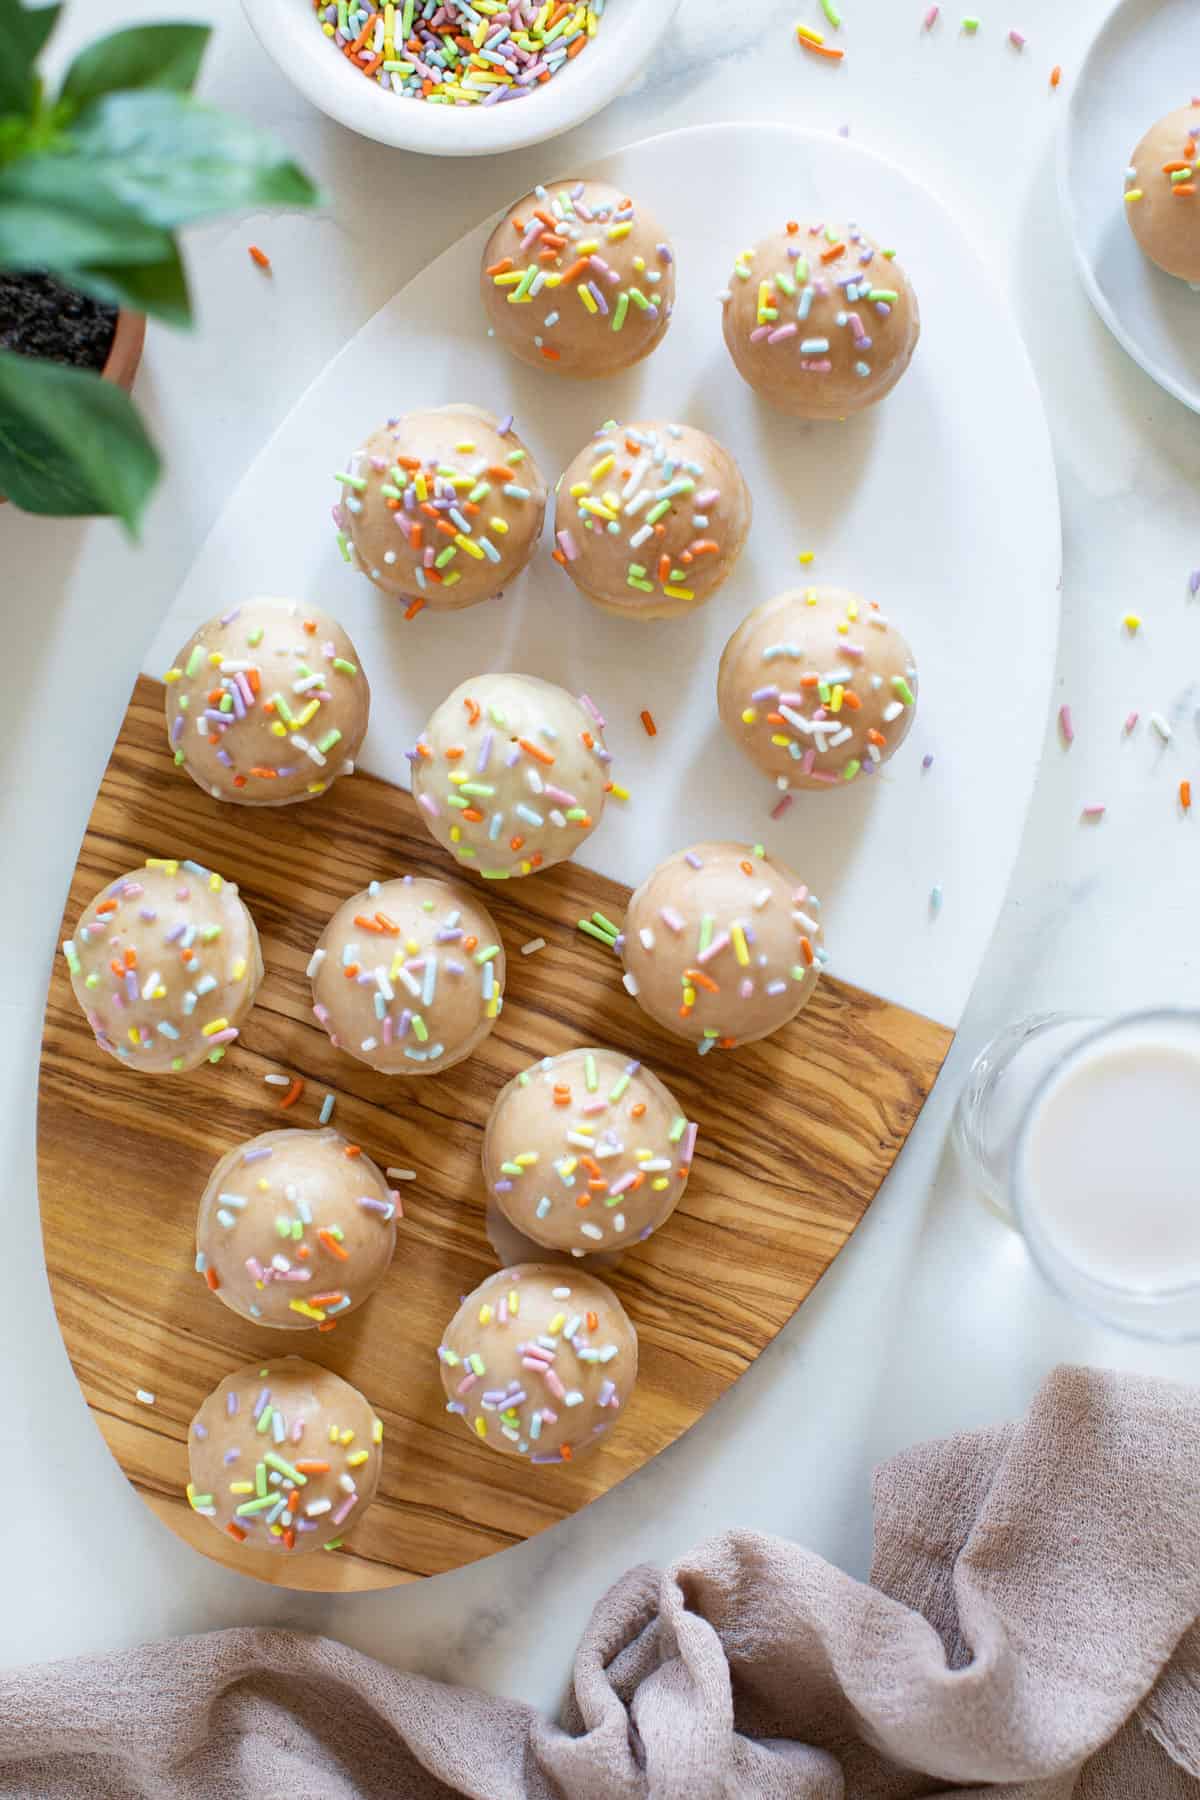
pixel 1031 1629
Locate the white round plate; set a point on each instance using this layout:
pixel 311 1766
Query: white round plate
pixel 629 33
pixel 1139 67
pixel 940 504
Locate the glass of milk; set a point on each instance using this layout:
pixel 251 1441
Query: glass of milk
pixel 1102 1168
pixel 999 1087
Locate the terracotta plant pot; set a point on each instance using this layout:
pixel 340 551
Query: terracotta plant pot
pixel 125 353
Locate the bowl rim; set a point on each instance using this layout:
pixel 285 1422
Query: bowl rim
pixel 628 36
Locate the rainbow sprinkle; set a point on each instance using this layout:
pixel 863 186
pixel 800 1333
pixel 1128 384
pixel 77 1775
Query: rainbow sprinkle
pixel 459 53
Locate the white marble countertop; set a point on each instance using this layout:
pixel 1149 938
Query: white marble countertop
pixel 932 1320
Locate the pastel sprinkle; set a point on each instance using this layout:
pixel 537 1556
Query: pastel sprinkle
pixel 461 54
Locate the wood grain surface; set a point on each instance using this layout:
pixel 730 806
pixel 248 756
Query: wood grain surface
pixel 796 1135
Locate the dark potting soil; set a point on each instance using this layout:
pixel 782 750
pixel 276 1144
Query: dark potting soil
pixel 41 317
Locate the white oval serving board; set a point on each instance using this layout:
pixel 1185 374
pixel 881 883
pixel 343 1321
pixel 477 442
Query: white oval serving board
pixel 940 504
pixel 1143 62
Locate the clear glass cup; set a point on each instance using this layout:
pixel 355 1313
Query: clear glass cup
pixel 1104 1180
pixel 1001 1083
pixel 1080 1133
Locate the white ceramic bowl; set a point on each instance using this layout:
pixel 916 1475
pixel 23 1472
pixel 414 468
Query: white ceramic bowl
pixel 630 31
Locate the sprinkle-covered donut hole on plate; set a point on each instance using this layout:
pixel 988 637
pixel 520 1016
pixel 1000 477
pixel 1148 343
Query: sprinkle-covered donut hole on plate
pixel 820 320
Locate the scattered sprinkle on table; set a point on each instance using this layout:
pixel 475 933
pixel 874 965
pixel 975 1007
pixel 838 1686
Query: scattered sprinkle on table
pixel 1132 623
pixel 402 1174
pixel 1056 75
pixel 1160 725
pixel 1096 809
pixel 651 728
pixel 831 13
pixel 806 556
pixel 534 945
pixel 927 760
pixel 293 1094
pixel 1131 720
pixel 814 41
pixel 276 1080
pixel 454 53
pixel 259 257
pixel 1194 582
pixel 931 18
pixel 970 24
pixel 935 899
pixel 1185 796
pixel 1066 724
pixel 326 1112
pixel 144 1398
pixel 781 806
pixel 1016 38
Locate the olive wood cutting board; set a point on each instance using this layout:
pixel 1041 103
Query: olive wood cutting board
pixel 796 1135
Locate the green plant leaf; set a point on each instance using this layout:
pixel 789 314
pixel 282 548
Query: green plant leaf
pixel 125 262
pixel 168 160
pixel 69 237
pixel 144 56
pixel 71 444
pixel 23 33
pixel 157 288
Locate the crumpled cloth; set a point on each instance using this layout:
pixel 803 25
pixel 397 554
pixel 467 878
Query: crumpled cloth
pixel 1030 1629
